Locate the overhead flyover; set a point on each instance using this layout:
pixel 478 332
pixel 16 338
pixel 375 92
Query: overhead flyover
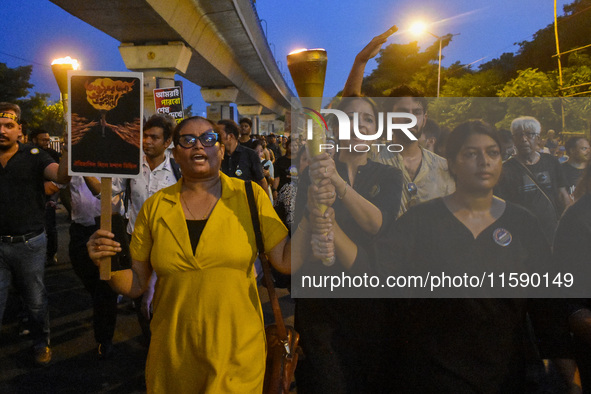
pixel 216 44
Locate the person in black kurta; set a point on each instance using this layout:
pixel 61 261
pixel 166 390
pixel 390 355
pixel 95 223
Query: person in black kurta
pixel 467 344
pixel 472 344
pixel 532 179
pixel 572 249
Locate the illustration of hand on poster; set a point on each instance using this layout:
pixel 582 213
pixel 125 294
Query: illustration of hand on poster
pixel 106 111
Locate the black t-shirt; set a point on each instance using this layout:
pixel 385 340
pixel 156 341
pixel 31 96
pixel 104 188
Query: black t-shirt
pixel 275 149
pixel 572 245
pixel 248 144
pixel 284 170
pixel 55 155
pixel 572 176
pixel 243 163
pixel 469 344
pixel 517 186
pixel 22 196
pixel 571 252
pixel 343 336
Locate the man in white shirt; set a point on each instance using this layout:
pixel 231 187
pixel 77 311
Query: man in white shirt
pixel 425 174
pixel 159 170
pixel 86 206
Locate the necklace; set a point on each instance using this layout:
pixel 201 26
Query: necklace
pixel 207 212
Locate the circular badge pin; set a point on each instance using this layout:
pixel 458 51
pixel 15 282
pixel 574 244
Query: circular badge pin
pixel 34 151
pixel 502 237
pixel 238 172
pixel 374 190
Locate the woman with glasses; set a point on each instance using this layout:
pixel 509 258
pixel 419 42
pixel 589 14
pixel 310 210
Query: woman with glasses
pixel 197 235
pixel 339 336
pixel 472 344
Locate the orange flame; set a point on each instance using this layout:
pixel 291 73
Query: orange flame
pixel 67 60
pixel 104 93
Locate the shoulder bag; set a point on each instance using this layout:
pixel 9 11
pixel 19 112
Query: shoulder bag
pixel 282 342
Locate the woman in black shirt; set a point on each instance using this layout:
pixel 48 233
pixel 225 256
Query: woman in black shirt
pixel 572 252
pixel 340 337
pixel 468 344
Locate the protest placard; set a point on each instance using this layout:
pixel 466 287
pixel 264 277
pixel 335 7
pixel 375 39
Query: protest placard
pixel 169 101
pixel 105 123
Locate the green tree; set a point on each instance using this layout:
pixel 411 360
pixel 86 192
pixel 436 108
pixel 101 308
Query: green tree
pixel 530 83
pixel 504 65
pixel 478 84
pixel 451 111
pixel 14 82
pixel 577 77
pixel 574 30
pixel 49 118
pixel 35 109
pixel 532 93
pixel 398 64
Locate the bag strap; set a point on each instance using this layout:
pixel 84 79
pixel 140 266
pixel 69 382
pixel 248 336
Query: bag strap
pixel 281 331
pixel 127 196
pixel 176 170
pixel 531 176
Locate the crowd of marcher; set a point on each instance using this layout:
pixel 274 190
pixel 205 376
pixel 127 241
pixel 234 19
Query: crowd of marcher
pixel 509 199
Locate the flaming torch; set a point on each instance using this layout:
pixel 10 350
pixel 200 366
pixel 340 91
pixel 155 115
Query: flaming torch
pixel 60 69
pixel 308 71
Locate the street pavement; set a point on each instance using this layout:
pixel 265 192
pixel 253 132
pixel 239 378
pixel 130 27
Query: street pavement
pixel 75 367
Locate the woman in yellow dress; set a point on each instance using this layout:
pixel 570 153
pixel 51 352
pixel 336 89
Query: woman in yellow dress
pixel 197 235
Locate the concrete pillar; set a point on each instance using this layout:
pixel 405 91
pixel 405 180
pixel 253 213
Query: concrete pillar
pixel 219 100
pixel 266 123
pixel 159 63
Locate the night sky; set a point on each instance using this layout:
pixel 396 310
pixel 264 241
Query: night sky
pixel 37 31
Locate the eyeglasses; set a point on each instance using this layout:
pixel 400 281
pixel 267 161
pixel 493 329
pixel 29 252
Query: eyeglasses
pixel 529 134
pixel 207 139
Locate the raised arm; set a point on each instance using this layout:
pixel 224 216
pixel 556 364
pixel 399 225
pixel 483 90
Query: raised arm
pixel 353 85
pixel 58 173
pixel 367 215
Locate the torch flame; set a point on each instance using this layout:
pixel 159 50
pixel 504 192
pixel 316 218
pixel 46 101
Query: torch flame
pixel 67 60
pixel 104 93
pixel 303 50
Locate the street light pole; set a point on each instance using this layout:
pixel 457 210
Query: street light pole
pixel 439 69
pixel 419 28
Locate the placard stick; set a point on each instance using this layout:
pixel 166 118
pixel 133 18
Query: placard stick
pixel 106 184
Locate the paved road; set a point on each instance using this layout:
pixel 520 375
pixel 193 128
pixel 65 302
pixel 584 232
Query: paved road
pixel 75 367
